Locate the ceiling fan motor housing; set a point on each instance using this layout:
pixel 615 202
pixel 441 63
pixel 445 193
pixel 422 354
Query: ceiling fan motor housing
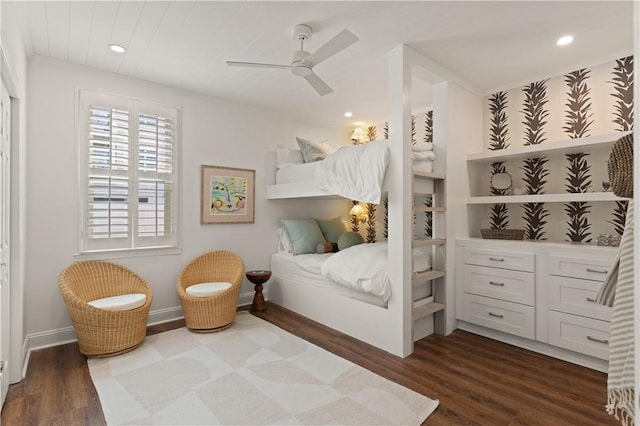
pixel 298 64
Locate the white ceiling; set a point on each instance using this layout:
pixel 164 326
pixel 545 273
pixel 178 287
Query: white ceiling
pixel 185 44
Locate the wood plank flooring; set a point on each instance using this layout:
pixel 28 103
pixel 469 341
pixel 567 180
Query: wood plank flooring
pixel 477 380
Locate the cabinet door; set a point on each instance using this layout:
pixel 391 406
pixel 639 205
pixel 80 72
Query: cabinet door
pixel 499 259
pixel 504 284
pixel 577 296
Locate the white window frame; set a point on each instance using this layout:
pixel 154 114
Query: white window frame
pixel 132 245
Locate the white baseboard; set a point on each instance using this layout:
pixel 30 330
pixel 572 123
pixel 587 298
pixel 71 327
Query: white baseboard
pixel 61 336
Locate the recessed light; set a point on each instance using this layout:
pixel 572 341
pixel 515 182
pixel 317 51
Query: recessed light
pixel 117 48
pixel 348 114
pixel 564 40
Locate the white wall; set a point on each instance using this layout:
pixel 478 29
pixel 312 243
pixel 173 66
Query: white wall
pixel 14 72
pixel 213 132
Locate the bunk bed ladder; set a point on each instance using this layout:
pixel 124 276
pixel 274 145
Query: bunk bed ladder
pixel 434 304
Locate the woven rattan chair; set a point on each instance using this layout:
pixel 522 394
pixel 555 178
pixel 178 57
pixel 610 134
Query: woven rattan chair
pixel 215 312
pixel 103 332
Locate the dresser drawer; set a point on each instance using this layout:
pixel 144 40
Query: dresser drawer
pixel 576 296
pixel 585 335
pixel 589 269
pixel 499 259
pixel 504 316
pixel 504 284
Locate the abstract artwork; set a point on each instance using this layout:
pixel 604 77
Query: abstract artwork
pixel 227 195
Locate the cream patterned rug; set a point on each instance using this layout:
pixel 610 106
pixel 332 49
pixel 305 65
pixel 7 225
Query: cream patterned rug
pixel 253 373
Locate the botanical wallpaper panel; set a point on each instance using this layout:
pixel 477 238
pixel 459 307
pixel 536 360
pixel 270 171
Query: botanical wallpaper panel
pixel 584 102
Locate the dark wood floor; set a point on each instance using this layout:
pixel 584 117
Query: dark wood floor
pixel 477 380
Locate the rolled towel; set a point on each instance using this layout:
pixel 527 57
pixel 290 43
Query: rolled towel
pixel 423 155
pixel 422 146
pixel 422 166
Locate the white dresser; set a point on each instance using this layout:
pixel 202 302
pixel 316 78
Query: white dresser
pixel 536 295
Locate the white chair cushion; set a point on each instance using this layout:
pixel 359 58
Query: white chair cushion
pixel 207 289
pixel 123 302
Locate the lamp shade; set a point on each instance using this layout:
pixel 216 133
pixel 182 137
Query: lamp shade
pixel 356 210
pixel 358 136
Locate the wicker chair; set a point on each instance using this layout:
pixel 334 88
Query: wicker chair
pixel 103 332
pixel 215 312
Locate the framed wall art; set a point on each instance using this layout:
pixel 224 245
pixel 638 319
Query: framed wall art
pixel 227 195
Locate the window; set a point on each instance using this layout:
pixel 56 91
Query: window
pixel 128 173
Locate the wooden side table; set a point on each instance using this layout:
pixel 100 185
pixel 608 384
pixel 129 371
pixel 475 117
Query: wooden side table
pixel 258 278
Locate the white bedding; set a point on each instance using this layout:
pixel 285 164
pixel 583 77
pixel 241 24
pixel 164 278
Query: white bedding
pixel 355 172
pixel 297 173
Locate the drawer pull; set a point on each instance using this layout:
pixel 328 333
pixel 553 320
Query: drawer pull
pixel 496 259
pixel 591 299
pixel 496 315
pixel 497 284
pixel 597 271
pixel 593 339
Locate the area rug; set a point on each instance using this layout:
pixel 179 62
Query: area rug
pixel 253 373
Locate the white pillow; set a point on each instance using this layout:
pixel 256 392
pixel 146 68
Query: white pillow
pixel 284 242
pixel 207 289
pixel 123 302
pixel 287 156
pixel 314 151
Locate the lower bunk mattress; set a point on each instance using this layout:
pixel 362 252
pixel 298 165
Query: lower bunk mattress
pixel 304 270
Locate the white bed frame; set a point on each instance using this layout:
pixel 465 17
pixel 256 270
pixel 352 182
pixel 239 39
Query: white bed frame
pixel 392 329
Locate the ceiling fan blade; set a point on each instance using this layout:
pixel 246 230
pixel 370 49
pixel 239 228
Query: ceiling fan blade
pixel 343 40
pixel 257 65
pixel 316 82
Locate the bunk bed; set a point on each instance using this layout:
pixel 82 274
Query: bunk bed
pixel 298 284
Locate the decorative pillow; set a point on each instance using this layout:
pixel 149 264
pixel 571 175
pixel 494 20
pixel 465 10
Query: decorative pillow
pixel 284 243
pixel 305 235
pixel 349 239
pixel 314 151
pixel 332 228
pixel 327 248
pixel 287 156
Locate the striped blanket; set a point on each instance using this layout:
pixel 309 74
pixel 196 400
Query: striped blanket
pixel 617 291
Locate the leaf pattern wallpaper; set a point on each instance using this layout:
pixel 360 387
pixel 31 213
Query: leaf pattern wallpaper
pixel 589 101
pixel 578 180
pixel 535 120
pixel 428 127
pixel 385 219
pixel 577 122
pixel 498 137
pixel 371 223
pixel 622 80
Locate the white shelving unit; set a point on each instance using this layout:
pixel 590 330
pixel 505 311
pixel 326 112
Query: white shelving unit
pixel 436 304
pixel 479 165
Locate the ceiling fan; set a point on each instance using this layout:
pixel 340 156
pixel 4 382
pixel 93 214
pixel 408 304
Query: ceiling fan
pixel 302 62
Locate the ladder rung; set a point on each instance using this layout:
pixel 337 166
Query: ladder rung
pixel 428 276
pixel 428 309
pixel 429 242
pixel 429 175
pixel 428 209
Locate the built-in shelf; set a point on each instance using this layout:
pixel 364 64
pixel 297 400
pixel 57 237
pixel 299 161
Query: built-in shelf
pixel 561 147
pixel 545 198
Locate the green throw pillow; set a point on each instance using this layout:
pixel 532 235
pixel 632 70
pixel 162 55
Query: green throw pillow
pixel 305 234
pixel 332 228
pixel 349 239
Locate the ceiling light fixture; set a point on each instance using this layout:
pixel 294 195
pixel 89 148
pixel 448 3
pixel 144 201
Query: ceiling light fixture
pixel 564 40
pixel 348 114
pixel 117 48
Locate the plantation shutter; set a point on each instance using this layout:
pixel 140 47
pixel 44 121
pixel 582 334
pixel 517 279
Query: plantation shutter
pixel 108 183
pixel 155 170
pixel 128 174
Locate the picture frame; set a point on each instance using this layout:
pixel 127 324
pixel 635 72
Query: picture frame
pixel 227 195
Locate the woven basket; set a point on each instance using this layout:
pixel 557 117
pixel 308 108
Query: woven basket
pixel 502 234
pixel 621 167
